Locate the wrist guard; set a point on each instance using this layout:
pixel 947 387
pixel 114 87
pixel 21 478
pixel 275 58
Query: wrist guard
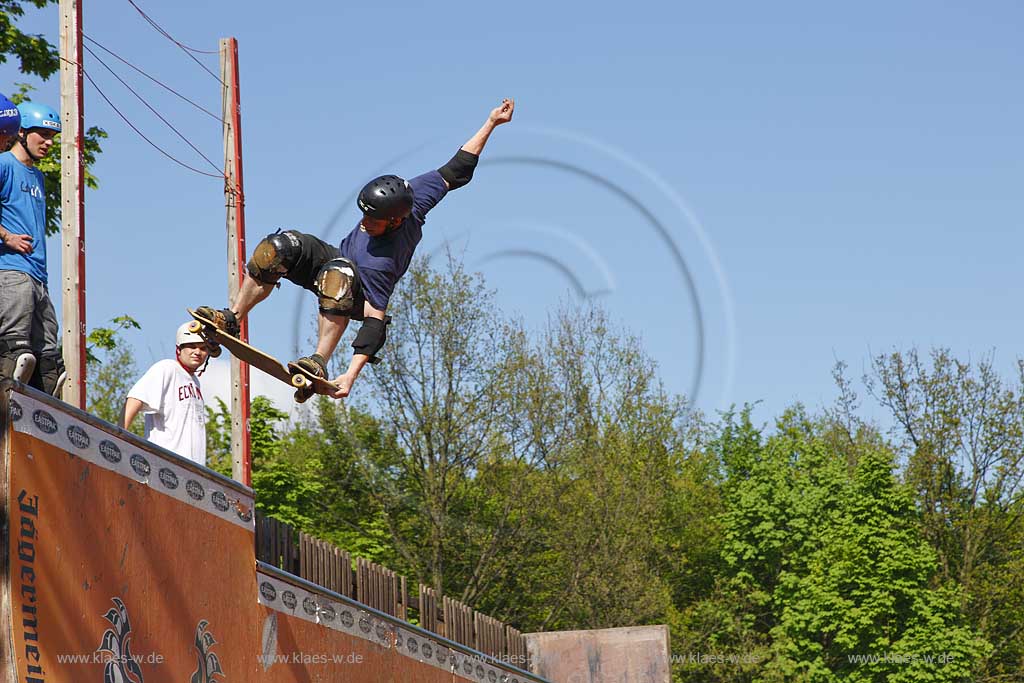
pixel 371 337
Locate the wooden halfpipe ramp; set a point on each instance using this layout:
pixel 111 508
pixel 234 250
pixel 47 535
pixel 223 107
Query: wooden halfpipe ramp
pixel 124 563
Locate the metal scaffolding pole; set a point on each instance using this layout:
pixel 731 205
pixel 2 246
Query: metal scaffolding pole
pixel 72 192
pixel 241 468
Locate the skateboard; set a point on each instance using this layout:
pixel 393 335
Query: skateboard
pixel 293 375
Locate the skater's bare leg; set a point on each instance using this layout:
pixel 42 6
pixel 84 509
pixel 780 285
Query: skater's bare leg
pixel 228 319
pixel 332 326
pixel 249 294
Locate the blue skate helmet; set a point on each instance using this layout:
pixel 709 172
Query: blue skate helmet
pixel 10 118
pixel 38 116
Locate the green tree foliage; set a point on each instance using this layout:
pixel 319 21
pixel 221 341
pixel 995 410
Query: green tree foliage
pixel 441 393
pixel 530 477
pixel 218 437
pixel 535 486
pixel 613 470
pixel 824 564
pixel 959 431
pixel 315 475
pixel 355 458
pixel 866 589
pixel 284 489
pixel 550 481
pixel 264 441
pixel 111 371
pixel 35 54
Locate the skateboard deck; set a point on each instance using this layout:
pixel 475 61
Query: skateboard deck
pixel 297 378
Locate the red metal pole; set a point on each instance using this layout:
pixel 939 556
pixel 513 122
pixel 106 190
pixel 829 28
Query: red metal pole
pixel 80 199
pixel 239 196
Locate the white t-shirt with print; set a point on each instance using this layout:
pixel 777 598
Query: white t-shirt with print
pixel 173 408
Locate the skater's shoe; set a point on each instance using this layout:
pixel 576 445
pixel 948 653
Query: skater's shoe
pixel 223 318
pixel 313 364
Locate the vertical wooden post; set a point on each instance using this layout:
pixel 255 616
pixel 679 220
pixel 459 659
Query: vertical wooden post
pixel 72 192
pixel 241 468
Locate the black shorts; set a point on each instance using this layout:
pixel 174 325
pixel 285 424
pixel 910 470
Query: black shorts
pixel 314 253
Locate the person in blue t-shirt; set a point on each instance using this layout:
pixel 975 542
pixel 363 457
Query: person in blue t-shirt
pixel 356 280
pixel 28 325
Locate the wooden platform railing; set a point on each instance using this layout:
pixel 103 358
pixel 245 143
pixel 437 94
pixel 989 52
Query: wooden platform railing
pixel 325 565
pixel 428 611
pixel 275 544
pixel 378 587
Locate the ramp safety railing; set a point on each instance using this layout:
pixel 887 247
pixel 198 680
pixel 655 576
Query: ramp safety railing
pixel 319 562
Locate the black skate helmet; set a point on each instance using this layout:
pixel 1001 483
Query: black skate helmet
pixel 386 197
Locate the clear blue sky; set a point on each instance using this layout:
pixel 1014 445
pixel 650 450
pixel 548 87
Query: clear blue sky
pixel 816 182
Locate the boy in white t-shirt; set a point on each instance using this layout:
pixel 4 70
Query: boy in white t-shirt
pixel 171 401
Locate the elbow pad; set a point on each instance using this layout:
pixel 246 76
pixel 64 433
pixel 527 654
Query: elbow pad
pixel 459 169
pixel 371 337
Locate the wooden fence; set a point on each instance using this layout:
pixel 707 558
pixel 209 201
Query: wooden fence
pixel 378 587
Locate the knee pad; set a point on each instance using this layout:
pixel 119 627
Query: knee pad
pixel 13 349
pixel 47 376
pixel 336 285
pixel 24 367
pixel 273 257
pixel 371 337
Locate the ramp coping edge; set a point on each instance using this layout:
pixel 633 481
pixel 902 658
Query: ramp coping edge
pixel 84 436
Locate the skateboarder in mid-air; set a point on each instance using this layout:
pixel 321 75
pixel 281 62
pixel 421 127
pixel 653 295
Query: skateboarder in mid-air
pixel 356 280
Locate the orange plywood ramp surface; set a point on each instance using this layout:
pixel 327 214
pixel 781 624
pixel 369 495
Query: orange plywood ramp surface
pixel 117 570
pixel 307 631
pixel 305 651
pixel 124 563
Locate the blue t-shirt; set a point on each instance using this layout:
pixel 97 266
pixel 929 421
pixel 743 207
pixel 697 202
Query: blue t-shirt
pixel 383 260
pixel 23 211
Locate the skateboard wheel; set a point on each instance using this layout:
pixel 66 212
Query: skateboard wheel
pixel 299 381
pixel 195 326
